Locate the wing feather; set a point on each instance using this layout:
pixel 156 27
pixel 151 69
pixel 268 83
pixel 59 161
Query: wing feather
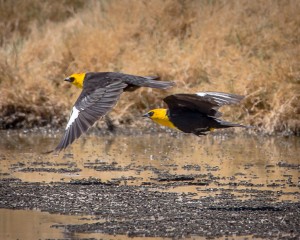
pixel 204 102
pixel 90 107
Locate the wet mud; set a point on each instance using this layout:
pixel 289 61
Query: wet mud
pixel 174 188
pixel 144 211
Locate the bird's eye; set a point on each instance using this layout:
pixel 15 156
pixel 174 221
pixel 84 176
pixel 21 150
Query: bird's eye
pixel 72 79
pixel 151 114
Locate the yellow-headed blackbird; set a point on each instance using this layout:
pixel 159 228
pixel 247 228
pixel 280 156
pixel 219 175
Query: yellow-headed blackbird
pixel 100 93
pixel 194 113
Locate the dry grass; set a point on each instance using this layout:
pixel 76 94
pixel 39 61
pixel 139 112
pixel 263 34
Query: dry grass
pixel 245 47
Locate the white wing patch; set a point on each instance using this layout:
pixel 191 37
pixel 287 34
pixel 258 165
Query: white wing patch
pixel 219 97
pixel 201 94
pixel 217 94
pixel 74 115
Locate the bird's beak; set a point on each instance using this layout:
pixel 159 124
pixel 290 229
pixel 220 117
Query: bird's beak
pixel 68 79
pixel 146 115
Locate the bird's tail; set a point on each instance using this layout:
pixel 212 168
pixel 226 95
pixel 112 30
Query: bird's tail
pixel 153 83
pixel 225 124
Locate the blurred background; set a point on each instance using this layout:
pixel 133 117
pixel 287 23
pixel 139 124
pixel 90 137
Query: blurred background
pixel 245 47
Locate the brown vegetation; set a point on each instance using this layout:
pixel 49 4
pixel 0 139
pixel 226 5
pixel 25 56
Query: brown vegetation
pixel 245 47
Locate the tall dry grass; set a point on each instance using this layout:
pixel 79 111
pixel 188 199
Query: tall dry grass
pixel 245 47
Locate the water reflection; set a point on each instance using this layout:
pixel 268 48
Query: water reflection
pixel 238 161
pixel 203 166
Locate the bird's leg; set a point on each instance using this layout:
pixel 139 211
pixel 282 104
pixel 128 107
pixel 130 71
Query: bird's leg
pixel 200 132
pixel 110 125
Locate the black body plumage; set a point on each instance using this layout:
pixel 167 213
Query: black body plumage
pixel 198 113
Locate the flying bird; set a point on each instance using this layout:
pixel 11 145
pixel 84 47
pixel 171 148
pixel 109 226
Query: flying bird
pixel 195 113
pixel 100 93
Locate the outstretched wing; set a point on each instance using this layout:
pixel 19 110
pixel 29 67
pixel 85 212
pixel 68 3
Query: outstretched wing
pixel 204 102
pixel 90 107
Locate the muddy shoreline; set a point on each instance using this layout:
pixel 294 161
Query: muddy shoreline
pixel 174 187
pixel 144 211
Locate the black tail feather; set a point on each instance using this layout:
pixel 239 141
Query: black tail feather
pixel 158 84
pixel 225 124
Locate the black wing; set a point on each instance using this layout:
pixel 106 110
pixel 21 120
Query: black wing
pixel 135 82
pixel 90 107
pixel 100 79
pixel 204 102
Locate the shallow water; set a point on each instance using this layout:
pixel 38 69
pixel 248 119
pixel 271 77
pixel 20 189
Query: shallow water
pixel 206 166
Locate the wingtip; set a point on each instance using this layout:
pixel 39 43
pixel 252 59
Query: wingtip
pixel 59 148
pixel 153 77
pixel 249 127
pixel 48 152
pixel 172 83
pixel 55 152
pixel 168 85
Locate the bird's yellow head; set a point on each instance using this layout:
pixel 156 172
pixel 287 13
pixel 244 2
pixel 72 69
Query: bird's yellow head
pixel 160 116
pixel 76 79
